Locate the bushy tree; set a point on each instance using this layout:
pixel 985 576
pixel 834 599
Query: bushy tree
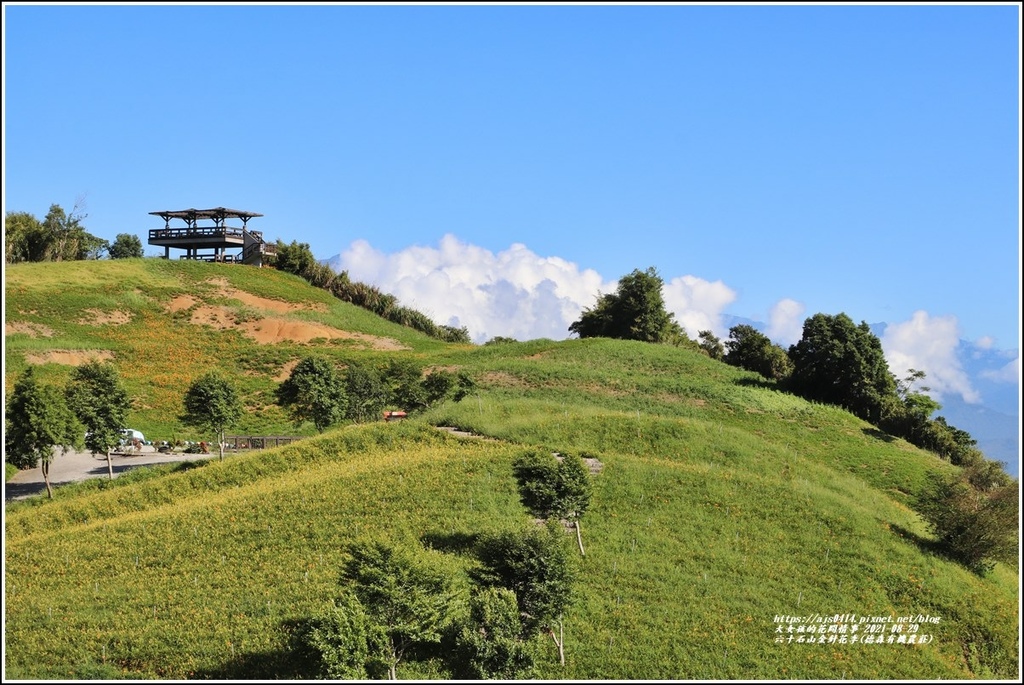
pixel 536 474
pixel 405 387
pixel 23 238
pixel 405 601
pixel 66 237
pixel 490 646
pixel 60 236
pixel 573 492
pixel 438 385
pixel 314 392
pixel 837 362
pixel 711 345
pixel 97 397
pixel 551 487
pixel 38 421
pixel 636 311
pixel 211 402
pixel 367 393
pixel 294 258
pixel 125 246
pixel 535 565
pixel 343 640
pixel 750 349
pixel 975 516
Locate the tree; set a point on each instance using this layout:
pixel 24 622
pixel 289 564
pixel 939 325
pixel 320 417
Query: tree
pixel 536 473
pixel 100 402
pixel 314 392
pixel 406 601
pixel 750 349
pixel 840 363
pixel 343 640
pixel 405 388
pixel 211 402
pixel 534 564
pixel 636 311
pixel 975 516
pixel 711 345
pixel 296 258
pixel 367 394
pixel 38 421
pixel 439 385
pixel 553 487
pixel 66 238
pixel 126 246
pixel 573 492
pixel 490 645
pixel 23 238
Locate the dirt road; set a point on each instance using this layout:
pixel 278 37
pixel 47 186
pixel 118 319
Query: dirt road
pixel 77 466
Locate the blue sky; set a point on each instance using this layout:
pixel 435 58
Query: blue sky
pixel 498 166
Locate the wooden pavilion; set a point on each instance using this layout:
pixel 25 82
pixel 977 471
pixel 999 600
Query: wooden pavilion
pixel 210 243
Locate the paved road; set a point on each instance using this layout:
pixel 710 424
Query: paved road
pixel 77 466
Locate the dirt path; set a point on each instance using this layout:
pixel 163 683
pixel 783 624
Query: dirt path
pixel 78 466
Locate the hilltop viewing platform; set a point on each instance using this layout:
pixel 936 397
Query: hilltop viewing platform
pixel 210 243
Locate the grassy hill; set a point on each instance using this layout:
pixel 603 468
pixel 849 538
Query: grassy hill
pixel 721 505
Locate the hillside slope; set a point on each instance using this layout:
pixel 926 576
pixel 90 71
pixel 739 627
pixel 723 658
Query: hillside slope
pixel 722 506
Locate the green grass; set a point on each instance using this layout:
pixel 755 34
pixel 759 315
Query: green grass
pixel 721 504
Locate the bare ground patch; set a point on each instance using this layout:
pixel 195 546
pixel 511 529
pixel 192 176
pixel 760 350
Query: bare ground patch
pixel 271 330
pixel 264 303
pixel 180 303
pixel 98 317
pixel 33 330
pixel 69 357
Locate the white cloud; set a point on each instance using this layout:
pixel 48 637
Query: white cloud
pixel 985 342
pixel 698 304
pixel 929 344
pixel 786 322
pixel 514 293
pixel 1009 373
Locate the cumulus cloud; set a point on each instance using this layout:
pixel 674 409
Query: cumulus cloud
pixel 1010 373
pixel 786 322
pixel 929 344
pixel 698 304
pixel 514 293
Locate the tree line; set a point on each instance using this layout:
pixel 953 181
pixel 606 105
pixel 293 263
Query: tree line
pixel 975 514
pixel 92 409
pixel 61 237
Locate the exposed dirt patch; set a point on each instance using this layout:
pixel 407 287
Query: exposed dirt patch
pixel 33 330
pixel 98 317
pixel 271 330
pixel 180 303
pixel 218 317
pixel 264 303
pixel 69 357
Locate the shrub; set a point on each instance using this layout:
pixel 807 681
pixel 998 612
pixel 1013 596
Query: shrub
pixel 490 646
pixel 976 526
